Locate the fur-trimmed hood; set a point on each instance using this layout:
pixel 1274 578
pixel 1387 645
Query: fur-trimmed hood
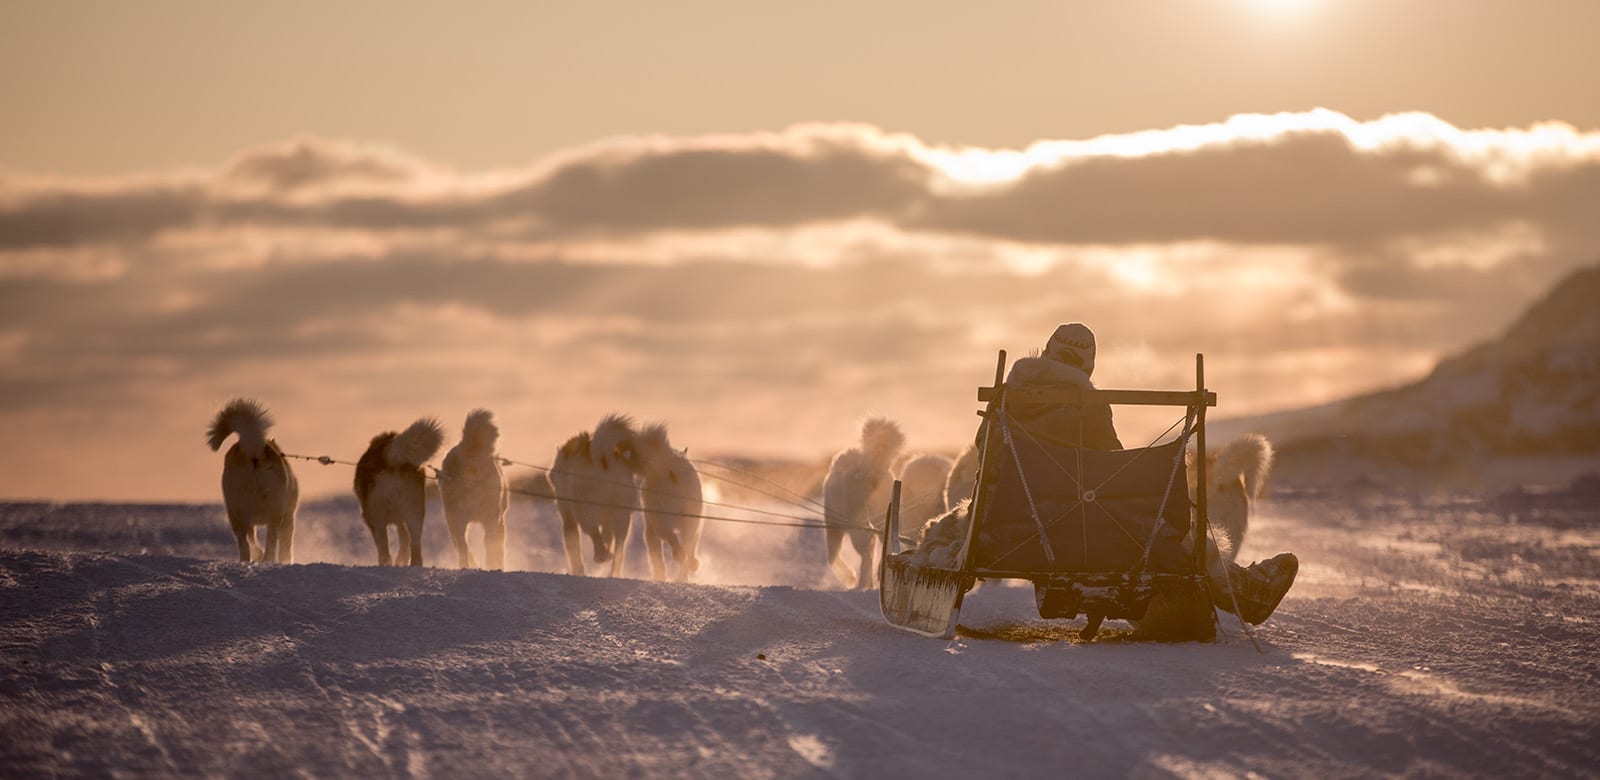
pixel 1043 371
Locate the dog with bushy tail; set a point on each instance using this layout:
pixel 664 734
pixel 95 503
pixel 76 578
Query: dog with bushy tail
pixel 390 487
pixel 855 495
pixel 472 486
pixel 258 487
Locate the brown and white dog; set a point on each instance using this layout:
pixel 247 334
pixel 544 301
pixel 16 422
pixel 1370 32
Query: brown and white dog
pixel 389 486
pixel 595 495
pixel 258 487
pixel 473 489
pixel 670 493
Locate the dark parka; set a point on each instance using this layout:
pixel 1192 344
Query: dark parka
pixel 1088 426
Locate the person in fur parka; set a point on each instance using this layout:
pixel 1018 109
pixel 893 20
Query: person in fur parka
pixel 1068 359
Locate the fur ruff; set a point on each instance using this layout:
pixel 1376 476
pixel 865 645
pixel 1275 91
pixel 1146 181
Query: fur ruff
pixel 1045 371
pixel 939 541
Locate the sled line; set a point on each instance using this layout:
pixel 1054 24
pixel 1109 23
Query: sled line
pixel 804 522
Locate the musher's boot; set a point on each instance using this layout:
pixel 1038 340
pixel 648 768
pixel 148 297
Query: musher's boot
pixel 1260 587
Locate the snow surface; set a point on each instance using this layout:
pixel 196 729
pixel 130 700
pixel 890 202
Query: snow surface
pixel 1424 638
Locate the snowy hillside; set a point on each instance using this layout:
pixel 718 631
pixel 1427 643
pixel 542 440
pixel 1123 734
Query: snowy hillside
pixel 1437 639
pixel 1523 408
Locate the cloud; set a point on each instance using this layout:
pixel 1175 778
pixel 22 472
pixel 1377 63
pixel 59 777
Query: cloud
pixel 1317 177
pixel 310 166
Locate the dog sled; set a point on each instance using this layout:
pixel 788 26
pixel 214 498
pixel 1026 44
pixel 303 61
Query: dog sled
pixel 1102 533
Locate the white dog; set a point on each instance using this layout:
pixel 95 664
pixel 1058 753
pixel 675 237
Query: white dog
pixel 389 486
pixel 671 493
pixel 473 489
pixel 258 487
pixel 855 495
pixel 595 495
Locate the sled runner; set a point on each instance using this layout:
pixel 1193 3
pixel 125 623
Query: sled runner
pixel 1104 533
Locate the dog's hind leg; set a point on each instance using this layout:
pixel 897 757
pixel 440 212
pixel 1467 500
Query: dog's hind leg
pixel 245 536
pixel 602 545
pixel 652 550
pixel 863 542
pixel 271 552
pixel 572 539
pixel 410 543
pixel 683 542
pixel 458 539
pixel 380 538
pixel 619 548
pixel 285 551
pixel 494 546
pixel 835 541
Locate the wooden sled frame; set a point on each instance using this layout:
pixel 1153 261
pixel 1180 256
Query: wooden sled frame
pixel 927 600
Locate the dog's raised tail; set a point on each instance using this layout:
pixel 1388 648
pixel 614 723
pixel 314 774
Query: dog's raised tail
pixel 416 444
pixel 245 417
pixel 480 432
pixel 1248 457
pixel 881 437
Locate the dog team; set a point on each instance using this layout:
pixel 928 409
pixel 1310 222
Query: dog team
pixel 599 479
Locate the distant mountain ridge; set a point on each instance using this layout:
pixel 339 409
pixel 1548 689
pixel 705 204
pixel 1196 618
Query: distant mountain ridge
pixel 1522 408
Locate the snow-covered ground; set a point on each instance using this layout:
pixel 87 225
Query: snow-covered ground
pixel 1424 638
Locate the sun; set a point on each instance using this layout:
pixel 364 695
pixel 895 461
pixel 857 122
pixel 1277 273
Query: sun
pixel 1280 7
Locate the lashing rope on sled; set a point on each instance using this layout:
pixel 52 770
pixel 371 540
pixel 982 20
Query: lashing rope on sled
pixel 1005 434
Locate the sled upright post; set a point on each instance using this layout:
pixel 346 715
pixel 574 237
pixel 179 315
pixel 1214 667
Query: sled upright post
pixel 1102 533
pixel 1201 522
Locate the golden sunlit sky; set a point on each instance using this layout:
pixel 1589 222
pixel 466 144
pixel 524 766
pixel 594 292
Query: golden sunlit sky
pixel 755 221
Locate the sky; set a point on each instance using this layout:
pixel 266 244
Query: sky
pixel 756 222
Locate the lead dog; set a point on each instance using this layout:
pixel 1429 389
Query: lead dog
pixel 389 486
pixel 258 487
